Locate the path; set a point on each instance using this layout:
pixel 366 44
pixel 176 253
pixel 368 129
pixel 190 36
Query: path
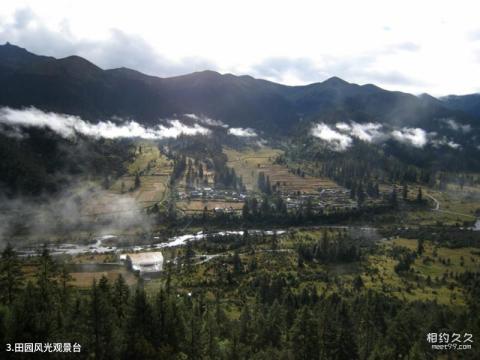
pixel 437 208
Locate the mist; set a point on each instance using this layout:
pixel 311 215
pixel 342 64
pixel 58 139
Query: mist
pixel 454 125
pixel 241 132
pixel 336 140
pixel 340 136
pixel 412 136
pixel 67 126
pixel 206 120
pixel 81 210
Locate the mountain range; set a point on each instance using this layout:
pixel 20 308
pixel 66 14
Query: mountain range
pixel 73 85
pixel 330 121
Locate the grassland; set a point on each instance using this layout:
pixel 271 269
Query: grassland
pixel 424 282
pixel 456 206
pixel 85 279
pixel 432 277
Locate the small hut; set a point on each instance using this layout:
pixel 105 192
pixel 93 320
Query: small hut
pixel 145 262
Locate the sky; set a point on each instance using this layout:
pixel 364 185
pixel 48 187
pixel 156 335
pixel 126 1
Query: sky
pixel 412 46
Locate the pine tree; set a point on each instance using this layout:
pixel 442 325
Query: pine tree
pixel 246 210
pixel 140 330
pixel 65 279
pixel 268 186
pixel 393 197
pixel 405 192
pixel 194 343
pixel 11 276
pixel 357 283
pixel 120 298
pixel 304 336
pixel 210 331
pixel 237 263
pixel 189 255
pixel 137 181
pixel 347 349
pixel 245 332
pixel 309 209
pixel 102 320
pixel 46 278
pixel 274 324
pixel 360 194
pixel 254 207
pixel 420 247
pixel 419 195
pixel 274 240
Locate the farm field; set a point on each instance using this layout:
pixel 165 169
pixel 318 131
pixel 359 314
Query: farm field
pixel 250 162
pixel 206 181
pixel 195 206
pixel 154 171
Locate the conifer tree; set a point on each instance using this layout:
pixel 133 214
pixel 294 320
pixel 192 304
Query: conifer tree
pixel 11 275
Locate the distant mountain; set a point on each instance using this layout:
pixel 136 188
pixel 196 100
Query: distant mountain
pixel 73 85
pixel 387 129
pixel 13 58
pixel 466 103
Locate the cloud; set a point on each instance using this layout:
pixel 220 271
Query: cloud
pixel 284 70
pixel 454 125
pixel 412 136
pixel 445 142
pixel 240 132
pixel 119 49
pixel 75 207
pixel 205 120
pixel 68 126
pixel 342 138
pixel 368 132
pixel 361 68
pixel 474 35
pixel 405 46
pixel 336 140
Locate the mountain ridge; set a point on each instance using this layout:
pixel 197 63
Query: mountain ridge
pixel 74 85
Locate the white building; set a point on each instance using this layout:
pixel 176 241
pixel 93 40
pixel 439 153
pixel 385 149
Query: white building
pixel 145 262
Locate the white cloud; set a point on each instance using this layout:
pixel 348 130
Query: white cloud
pixel 445 142
pixel 240 132
pixel 368 132
pixel 454 125
pixel 342 138
pixel 67 125
pixel 205 120
pixel 343 126
pixel 413 136
pixel 399 46
pixel 336 140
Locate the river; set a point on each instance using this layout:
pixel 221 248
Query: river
pixel 100 248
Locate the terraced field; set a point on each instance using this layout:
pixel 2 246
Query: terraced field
pixel 250 162
pixel 154 171
pixel 195 206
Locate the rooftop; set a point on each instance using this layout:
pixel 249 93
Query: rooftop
pixel 146 257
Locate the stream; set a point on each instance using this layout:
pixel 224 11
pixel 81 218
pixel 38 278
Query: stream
pixel 476 227
pixel 100 248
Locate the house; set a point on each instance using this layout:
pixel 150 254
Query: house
pixel 145 262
